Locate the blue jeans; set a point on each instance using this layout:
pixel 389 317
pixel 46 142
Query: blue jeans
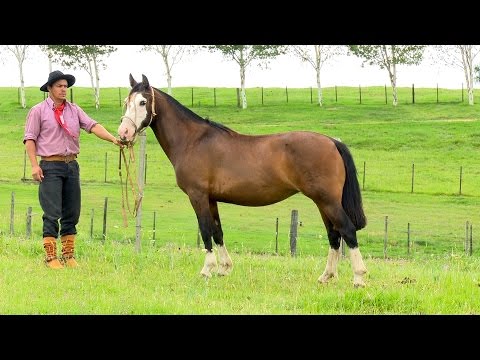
pixel 59 194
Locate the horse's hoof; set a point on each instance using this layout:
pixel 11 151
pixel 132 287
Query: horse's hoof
pixel 224 270
pixel 206 274
pixel 325 277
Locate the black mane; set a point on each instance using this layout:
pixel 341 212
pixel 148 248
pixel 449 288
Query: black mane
pixel 186 111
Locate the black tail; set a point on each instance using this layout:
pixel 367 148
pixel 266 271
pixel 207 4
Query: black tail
pixel 351 198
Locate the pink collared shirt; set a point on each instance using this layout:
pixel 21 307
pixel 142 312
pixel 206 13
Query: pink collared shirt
pixel 50 138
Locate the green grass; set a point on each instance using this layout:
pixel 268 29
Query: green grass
pixel 387 142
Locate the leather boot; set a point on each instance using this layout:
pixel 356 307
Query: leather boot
pixel 68 248
pixel 50 246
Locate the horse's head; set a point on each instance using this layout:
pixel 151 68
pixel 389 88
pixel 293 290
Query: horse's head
pixel 139 112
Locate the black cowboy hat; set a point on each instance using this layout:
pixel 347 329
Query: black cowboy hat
pixel 57 75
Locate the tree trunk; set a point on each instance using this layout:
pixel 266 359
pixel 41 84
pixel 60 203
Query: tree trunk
pixel 242 81
pixel 97 84
pixel 319 87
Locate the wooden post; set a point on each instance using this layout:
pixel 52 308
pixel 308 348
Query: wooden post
pixel 465 245
pixel 91 224
pixel 145 175
pixel 192 96
pixel 385 239
pixel 336 98
pixel 71 95
pixel 363 182
pixel 311 95
pixel 24 165
pixel 437 93
pixel 154 225
pixel 408 238
pixel 29 223
pixel 276 237
pixel 238 97
pixel 413 93
pixel 214 97
pixel 360 93
pixel 385 94
pixel 119 97
pixel 12 213
pixel 293 232
pixel 262 95
pixel 413 176
pixel 104 232
pixel 286 93
pixel 198 237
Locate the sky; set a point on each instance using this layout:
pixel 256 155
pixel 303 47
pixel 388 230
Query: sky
pixel 213 70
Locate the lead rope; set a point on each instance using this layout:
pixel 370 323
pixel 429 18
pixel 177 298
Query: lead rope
pixel 135 189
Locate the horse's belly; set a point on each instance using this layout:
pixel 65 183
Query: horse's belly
pixel 254 195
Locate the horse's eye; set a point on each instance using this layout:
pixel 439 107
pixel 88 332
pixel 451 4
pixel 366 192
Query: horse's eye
pixel 143 103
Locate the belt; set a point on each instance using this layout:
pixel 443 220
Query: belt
pixel 62 158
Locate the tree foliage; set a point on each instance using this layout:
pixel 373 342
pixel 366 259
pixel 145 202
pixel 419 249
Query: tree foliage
pixel 388 57
pixel 245 55
pixel 87 57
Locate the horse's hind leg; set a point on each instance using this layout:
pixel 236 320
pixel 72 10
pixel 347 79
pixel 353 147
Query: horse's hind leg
pixel 333 252
pixel 226 264
pixel 343 225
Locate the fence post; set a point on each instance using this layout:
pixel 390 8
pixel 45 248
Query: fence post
pixel 470 250
pixel 336 98
pixel 154 225
pixel 386 94
pixel 286 93
pixel 71 95
pixel 311 95
pixel 293 232
pixel 91 224
pixel 465 245
pixel 29 223
pixel 214 97
pixel 198 237
pixel 276 237
pixel 104 232
pixel 408 238
pixel 413 176
pixel 437 93
pixel 360 92
pixel 363 182
pixel 119 97
pixel 413 93
pixel 238 97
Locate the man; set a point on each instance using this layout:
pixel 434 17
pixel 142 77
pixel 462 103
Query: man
pixel 52 131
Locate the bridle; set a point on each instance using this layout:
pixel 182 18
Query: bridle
pixel 136 191
pixel 152 114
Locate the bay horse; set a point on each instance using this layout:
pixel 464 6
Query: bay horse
pixel 214 163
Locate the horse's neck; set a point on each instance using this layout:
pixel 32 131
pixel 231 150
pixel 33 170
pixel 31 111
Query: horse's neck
pixel 173 131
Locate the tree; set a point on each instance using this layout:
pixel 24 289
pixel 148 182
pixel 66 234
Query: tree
pixel 49 54
pixel 86 57
pixel 171 55
pixel 317 56
pixel 20 52
pixel 388 57
pixel 244 55
pixel 461 56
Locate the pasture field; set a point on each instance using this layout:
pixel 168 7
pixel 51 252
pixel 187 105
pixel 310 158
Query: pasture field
pixel 436 144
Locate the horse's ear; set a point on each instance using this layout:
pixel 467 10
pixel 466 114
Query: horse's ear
pixel 145 81
pixel 132 81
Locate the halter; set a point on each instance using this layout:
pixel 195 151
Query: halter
pixel 136 191
pixel 153 113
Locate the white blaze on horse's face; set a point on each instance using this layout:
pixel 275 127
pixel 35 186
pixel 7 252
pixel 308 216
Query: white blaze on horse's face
pixel 135 114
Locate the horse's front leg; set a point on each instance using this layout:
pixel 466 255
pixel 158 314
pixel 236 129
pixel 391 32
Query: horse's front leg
pixel 206 224
pixel 226 263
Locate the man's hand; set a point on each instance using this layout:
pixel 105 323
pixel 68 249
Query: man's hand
pixel 37 173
